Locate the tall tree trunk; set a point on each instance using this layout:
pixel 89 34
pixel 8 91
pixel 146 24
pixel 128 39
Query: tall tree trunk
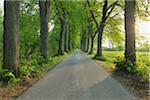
pixel 62 37
pixel 66 37
pixel 44 13
pixel 87 44
pixel 89 35
pixel 99 40
pixel 130 31
pixel 92 45
pixel 84 41
pixel 101 28
pixel 11 36
pixel 69 38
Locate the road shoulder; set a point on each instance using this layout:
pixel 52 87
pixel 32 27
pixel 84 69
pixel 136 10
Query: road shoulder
pixel 141 90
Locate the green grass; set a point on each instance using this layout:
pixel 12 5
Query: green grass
pixel 111 55
pixel 141 69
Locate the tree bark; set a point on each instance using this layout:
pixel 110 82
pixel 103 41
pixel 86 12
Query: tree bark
pixel 84 41
pixel 92 45
pixel 99 40
pixel 44 13
pixel 69 38
pixel 130 54
pixel 61 38
pixel 89 35
pixel 87 44
pixel 101 28
pixel 66 37
pixel 11 36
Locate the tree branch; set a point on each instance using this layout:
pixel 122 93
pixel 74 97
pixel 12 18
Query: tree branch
pixel 112 7
pixel 92 14
pixel 94 2
pixel 113 17
pixel 94 34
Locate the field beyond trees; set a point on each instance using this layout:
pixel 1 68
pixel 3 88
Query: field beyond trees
pixel 143 56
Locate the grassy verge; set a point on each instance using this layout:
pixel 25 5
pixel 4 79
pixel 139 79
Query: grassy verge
pixel 130 82
pixel 12 91
pixel 141 56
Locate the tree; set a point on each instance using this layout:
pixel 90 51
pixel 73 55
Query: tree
pixel 88 38
pixel 11 36
pixel 62 17
pixel 67 37
pixel 107 10
pixel 130 55
pixel 84 41
pixel 44 13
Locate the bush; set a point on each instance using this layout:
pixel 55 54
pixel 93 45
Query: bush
pixel 140 69
pixel 41 61
pixel 34 66
pixel 30 71
pixel 120 63
pixel 6 76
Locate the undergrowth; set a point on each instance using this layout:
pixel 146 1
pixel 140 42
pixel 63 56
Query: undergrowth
pixel 139 69
pixel 30 68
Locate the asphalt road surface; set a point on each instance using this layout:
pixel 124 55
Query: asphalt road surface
pixel 77 78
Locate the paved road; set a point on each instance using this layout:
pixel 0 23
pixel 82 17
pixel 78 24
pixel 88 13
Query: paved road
pixel 77 78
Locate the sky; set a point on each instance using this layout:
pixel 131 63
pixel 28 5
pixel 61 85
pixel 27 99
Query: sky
pixel 1 5
pixel 1 2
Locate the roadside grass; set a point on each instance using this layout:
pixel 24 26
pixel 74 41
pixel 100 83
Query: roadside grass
pixel 110 56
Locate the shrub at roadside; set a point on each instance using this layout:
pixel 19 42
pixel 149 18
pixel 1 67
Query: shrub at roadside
pixel 140 69
pixel 8 77
pixel 30 68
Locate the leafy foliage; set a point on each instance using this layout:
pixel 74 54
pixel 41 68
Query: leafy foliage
pixel 29 26
pixel 7 76
pixel 140 69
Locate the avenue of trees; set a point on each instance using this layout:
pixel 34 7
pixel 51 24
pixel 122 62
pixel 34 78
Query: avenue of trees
pixel 49 28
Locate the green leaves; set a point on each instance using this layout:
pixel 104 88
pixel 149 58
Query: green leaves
pixel 29 29
pixel 143 9
pixel 6 76
pixel 140 69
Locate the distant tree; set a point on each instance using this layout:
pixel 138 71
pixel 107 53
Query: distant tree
pixel 130 55
pixel 62 17
pixel 62 37
pixel 44 13
pixel 107 10
pixel 88 37
pixel 67 37
pixel 84 41
pixel 11 38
